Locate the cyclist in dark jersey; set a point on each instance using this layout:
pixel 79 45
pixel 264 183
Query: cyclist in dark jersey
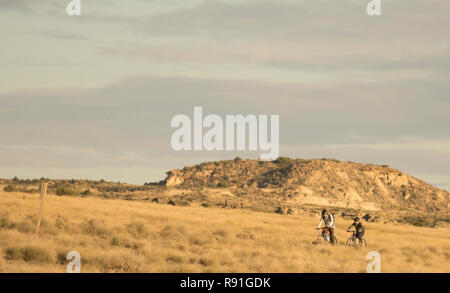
pixel 359 228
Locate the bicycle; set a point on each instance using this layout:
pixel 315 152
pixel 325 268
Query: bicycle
pixel 352 240
pixel 325 237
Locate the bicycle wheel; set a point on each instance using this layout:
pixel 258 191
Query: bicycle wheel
pixel 363 243
pixel 320 239
pixel 349 242
pixel 334 242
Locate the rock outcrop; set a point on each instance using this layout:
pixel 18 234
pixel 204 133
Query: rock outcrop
pixel 174 177
pixel 317 182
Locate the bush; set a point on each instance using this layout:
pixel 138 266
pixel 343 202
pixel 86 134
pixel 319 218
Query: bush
pixel 26 227
pixel 174 259
pixel 5 222
pixel 172 232
pixel 65 190
pixel 96 228
pixel 87 192
pixel 31 190
pixel 221 234
pixel 222 184
pixel 246 235
pixel 115 241
pixel 117 262
pixel 137 229
pixel 284 162
pixel 10 188
pixel 418 221
pixel 29 254
pixel 205 262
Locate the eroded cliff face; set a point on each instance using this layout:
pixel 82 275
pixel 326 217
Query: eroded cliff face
pixel 316 182
pixel 174 177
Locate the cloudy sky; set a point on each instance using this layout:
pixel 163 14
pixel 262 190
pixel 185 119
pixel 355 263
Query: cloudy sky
pixel 92 96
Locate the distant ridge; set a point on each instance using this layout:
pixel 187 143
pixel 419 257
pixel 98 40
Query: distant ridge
pixel 318 181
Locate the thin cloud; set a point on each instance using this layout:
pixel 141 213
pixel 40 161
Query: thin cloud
pixel 18 5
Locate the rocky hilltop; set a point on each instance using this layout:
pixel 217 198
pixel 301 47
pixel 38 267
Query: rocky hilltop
pixel 321 182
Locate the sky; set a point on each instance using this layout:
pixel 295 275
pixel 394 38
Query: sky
pixel 92 96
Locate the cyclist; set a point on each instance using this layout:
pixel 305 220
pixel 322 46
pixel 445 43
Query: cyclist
pixel 328 220
pixel 359 228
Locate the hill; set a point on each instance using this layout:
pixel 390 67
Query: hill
pixel 317 182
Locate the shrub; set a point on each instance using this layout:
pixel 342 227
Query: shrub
pixel 205 262
pixel 96 228
pixel 222 184
pixel 221 235
pixel 65 190
pixel 107 195
pixel 419 221
pixel 172 232
pixel 116 241
pixel 199 240
pixel 5 222
pixel 128 197
pixel 10 188
pixel 61 257
pixel 31 190
pixel 284 162
pixel 26 227
pixel 116 263
pixel 174 259
pixel 137 229
pixel 86 192
pixel 246 235
pixel 29 254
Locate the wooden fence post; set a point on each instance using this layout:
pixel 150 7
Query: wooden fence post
pixel 43 193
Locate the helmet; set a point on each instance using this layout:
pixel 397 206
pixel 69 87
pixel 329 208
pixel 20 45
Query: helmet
pixel 324 212
pixel 356 219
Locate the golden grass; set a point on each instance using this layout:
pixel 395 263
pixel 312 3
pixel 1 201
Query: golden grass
pixel 127 236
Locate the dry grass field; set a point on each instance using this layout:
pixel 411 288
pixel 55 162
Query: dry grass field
pixel 129 236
